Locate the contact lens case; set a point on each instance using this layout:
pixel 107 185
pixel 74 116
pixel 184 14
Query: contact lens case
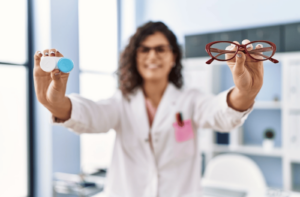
pixel 48 64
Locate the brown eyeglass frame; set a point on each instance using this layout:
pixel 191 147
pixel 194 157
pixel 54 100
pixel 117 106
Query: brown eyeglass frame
pixel 242 47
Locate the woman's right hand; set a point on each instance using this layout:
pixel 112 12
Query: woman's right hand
pixel 50 87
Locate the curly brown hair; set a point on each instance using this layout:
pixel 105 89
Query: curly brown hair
pixel 128 76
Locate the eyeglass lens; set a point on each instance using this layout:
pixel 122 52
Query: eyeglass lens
pixel 257 50
pixel 159 50
pixel 260 50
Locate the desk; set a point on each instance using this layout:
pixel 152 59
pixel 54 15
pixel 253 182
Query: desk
pixel 213 189
pixel 267 193
pixel 234 190
pixel 82 186
pixel 251 194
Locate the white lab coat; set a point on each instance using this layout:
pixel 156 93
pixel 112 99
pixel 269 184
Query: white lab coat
pixel 173 169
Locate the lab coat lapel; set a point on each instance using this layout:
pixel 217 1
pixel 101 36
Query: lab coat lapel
pixel 166 105
pixel 138 108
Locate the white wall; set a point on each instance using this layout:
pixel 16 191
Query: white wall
pixel 186 17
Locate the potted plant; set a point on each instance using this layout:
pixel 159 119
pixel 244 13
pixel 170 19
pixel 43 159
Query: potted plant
pixel 269 136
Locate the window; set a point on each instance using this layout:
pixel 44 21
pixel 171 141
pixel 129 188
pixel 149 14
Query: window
pixel 14 93
pixel 13 39
pixel 98 49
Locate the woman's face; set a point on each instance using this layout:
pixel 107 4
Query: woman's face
pixel 155 58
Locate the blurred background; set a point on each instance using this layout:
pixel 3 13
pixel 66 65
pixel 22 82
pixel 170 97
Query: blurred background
pixel 37 158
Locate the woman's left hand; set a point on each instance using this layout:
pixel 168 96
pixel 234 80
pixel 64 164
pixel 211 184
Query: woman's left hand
pixel 247 76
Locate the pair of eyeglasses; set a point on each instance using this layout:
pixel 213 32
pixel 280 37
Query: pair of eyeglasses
pixel 160 50
pixel 260 50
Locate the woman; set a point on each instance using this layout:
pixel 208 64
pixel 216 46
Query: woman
pixel 150 157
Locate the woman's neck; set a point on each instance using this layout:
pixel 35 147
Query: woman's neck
pixel 154 90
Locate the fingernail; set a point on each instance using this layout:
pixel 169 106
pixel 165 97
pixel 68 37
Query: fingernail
pixel 56 73
pixel 239 55
pixel 259 45
pixel 249 46
pixel 52 52
pixel 46 54
pixel 39 52
pixel 232 46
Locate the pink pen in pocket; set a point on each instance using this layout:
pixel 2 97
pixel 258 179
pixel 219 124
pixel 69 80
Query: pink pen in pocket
pixel 183 129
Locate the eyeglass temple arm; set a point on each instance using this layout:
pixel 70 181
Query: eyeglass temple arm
pixel 274 60
pixel 221 52
pixel 258 52
pixel 251 51
pixel 218 51
pixel 255 51
pixel 210 61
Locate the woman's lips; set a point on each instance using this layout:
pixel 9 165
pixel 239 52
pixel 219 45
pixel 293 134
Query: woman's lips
pixel 152 66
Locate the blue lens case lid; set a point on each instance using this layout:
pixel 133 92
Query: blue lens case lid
pixel 65 65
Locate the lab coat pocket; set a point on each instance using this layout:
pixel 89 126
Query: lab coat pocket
pixel 184 150
pixel 184 141
pixel 183 132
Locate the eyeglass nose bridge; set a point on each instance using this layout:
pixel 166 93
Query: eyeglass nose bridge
pixel 150 52
pixel 155 52
pixel 152 49
pixel 241 48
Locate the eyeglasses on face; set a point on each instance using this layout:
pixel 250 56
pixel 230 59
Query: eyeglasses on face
pixel 260 50
pixel 161 50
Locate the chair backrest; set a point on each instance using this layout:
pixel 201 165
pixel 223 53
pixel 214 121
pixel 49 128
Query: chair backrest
pixel 235 170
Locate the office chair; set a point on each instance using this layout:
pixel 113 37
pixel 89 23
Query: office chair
pixel 235 172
